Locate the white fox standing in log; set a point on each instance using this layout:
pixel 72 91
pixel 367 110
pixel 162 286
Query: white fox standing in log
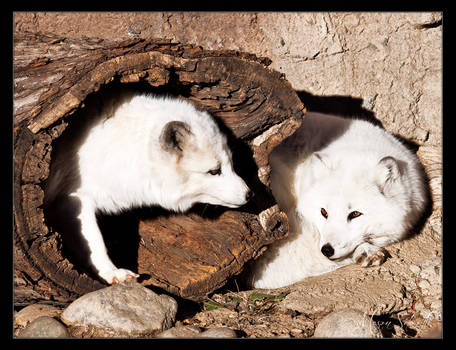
pixel 142 151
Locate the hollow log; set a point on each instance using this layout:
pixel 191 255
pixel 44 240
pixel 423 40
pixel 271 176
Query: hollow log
pixel 190 254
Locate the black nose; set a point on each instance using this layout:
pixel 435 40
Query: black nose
pixel 249 195
pixel 327 250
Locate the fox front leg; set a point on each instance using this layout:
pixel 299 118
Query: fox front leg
pixel 367 254
pixel 99 258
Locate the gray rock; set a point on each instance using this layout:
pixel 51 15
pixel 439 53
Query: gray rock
pixel 194 332
pixel 127 309
pixel 218 332
pixel 32 312
pixel 180 332
pixel 347 323
pixel 44 327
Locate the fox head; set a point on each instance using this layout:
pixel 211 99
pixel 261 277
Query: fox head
pixel 199 166
pixel 349 205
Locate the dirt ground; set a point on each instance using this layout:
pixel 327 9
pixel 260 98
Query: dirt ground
pixel 265 318
pixel 402 296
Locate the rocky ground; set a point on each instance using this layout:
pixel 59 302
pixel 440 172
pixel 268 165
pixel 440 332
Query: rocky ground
pixel 401 298
pixel 318 307
pixel 385 66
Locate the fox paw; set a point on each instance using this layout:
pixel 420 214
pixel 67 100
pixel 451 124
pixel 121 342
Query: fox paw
pixel 370 256
pixel 119 276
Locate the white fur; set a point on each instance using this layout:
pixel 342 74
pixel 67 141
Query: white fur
pixel 336 164
pixel 123 164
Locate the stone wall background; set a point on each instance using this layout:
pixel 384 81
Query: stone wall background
pixel 389 63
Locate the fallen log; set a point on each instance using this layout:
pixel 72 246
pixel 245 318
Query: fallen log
pixel 190 254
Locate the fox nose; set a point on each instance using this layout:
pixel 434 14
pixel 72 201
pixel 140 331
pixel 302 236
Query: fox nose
pixel 249 195
pixel 327 250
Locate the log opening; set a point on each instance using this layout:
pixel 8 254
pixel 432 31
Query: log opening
pixel 255 105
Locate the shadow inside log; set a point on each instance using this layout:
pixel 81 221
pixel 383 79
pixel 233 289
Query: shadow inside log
pixel 124 232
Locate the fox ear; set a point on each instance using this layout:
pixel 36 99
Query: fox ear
pixel 174 136
pixel 319 164
pixel 318 158
pixel 390 171
pixel 307 173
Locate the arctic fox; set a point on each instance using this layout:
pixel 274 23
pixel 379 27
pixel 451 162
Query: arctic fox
pixel 349 188
pixel 144 150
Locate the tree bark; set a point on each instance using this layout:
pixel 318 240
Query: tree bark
pixel 189 255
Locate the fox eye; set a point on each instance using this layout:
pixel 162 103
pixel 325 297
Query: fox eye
pixel 216 171
pixel 354 214
pixel 324 213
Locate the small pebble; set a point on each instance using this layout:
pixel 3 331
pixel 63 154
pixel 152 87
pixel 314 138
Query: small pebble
pixel 415 269
pixel 295 332
pixel 423 284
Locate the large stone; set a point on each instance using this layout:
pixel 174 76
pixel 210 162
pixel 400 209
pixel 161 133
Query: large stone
pixel 348 323
pixel 44 327
pixel 33 311
pixel 180 332
pixel 194 332
pixel 127 309
pixel 219 332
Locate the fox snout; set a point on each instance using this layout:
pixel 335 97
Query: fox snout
pixel 249 194
pixel 230 197
pixel 327 250
pixel 245 194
